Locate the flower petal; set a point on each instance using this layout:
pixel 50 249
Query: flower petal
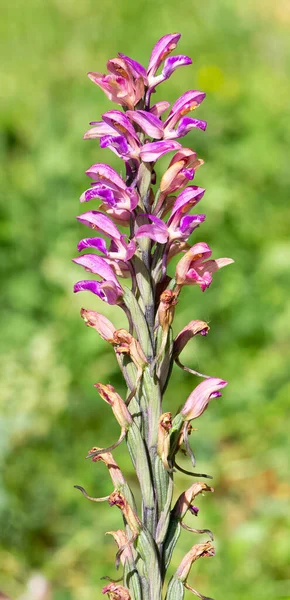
pixel 118 144
pixel 186 200
pixel 100 128
pixel 97 265
pixel 101 172
pixel 159 108
pixel 118 121
pixel 162 48
pixel 189 223
pixel 137 69
pixel 173 62
pixel 186 124
pixel 157 231
pixel 99 221
pixel 154 150
pixel 187 102
pixel 107 291
pixel 95 242
pixel 148 122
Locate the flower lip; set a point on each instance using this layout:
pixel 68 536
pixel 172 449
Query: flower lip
pixel 107 291
pixel 101 172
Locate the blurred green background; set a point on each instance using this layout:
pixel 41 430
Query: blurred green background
pixel 50 412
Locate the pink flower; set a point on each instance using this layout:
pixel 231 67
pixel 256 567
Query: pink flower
pixel 194 269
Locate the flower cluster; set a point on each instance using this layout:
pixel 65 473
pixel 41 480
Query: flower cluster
pixel 156 224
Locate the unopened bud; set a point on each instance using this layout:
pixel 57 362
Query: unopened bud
pixel 120 410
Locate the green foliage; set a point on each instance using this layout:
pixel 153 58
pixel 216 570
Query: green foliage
pixel 51 413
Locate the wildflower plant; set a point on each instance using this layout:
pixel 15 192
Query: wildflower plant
pixel 157 219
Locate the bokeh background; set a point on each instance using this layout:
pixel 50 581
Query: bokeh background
pixel 50 412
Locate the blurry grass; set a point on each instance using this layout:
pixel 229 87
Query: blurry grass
pixel 50 411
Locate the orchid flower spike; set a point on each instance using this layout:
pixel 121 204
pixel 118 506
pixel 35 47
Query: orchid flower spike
pixel 138 223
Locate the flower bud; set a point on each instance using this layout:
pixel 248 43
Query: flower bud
pixel 116 592
pixel 192 329
pixel 100 323
pixel 118 499
pixel 197 551
pixel 120 410
pixel 183 503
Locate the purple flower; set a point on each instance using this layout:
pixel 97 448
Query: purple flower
pixel 117 133
pixel 123 84
pixel 184 202
pixel 109 288
pixel 120 123
pixel 186 103
pixel 179 226
pixel 162 48
pixel 110 188
pixel 199 399
pixel 119 250
pixel 156 129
